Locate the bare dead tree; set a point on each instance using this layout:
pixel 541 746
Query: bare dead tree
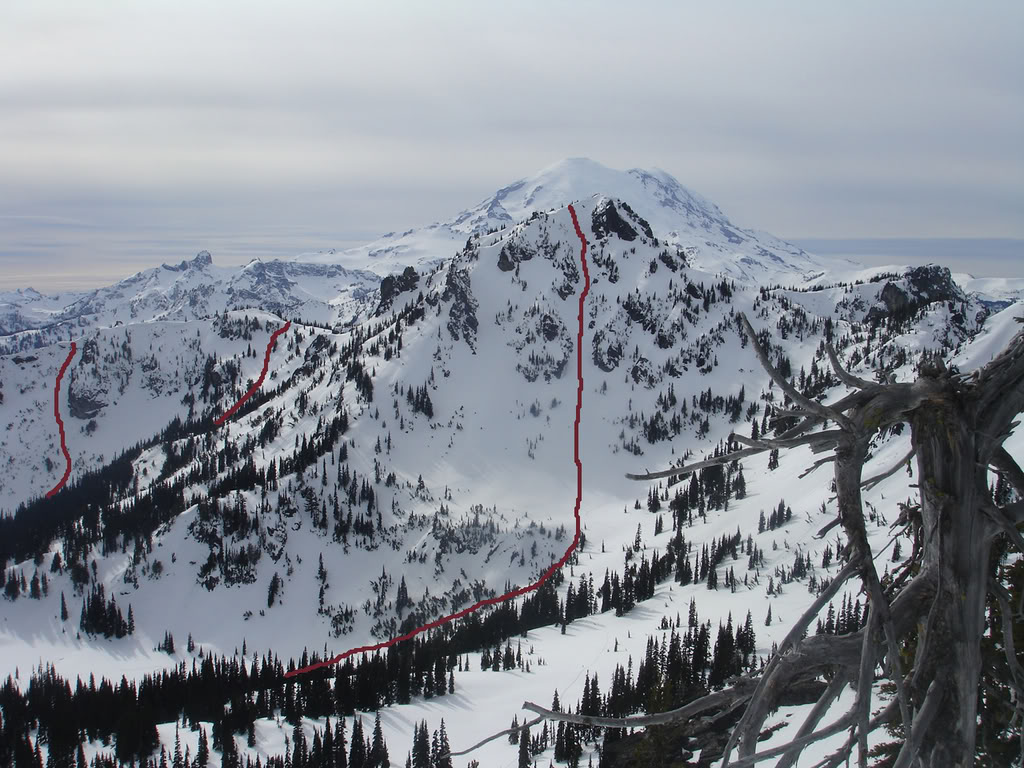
pixel 958 424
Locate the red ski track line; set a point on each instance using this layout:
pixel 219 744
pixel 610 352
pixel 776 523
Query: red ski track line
pixel 259 381
pixel 60 422
pixel 576 512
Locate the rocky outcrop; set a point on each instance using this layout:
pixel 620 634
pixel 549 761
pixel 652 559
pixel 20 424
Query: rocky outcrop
pixel 87 390
pixel 607 352
pixel 606 221
pixel 392 285
pixel 462 322
pixel 919 288
pixel 513 253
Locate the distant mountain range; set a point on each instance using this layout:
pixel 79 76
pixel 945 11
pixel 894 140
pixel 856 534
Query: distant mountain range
pixel 411 451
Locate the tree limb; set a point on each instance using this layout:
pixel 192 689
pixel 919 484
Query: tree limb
pixel 1008 466
pixel 844 375
pixel 1009 649
pixel 506 732
pixel 865 679
pixel 689 468
pixel 912 744
pixel 1003 521
pixel 754 716
pixel 871 482
pixel 826 439
pixel 724 698
pixel 841 754
pixel 819 710
pixel 1000 387
pixel 1015 512
pixel 816 464
pixel 830 730
pixel 823 412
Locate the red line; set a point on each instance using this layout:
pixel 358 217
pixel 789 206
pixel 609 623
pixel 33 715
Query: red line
pixel 60 422
pixel 576 512
pixel 259 381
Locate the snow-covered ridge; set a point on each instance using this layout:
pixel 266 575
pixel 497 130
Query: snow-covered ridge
pixel 453 468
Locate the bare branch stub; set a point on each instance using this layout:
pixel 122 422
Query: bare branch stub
pixel 1005 463
pixel 871 482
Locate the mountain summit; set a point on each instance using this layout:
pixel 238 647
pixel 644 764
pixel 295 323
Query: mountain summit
pixel 579 178
pixel 678 216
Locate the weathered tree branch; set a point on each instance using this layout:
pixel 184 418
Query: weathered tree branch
pixel 841 754
pixel 1000 385
pixel 844 375
pixel 506 732
pixel 1008 466
pixel 838 726
pixel 913 741
pixel 821 707
pixel 826 440
pixel 1003 520
pixel 688 468
pixel 823 412
pixel 739 691
pixel 956 424
pixel 874 480
pixel 1010 651
pixel 750 720
pixel 1015 512
pixel 815 465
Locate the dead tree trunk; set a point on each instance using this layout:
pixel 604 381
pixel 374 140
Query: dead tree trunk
pixel 937 603
pixel 958 424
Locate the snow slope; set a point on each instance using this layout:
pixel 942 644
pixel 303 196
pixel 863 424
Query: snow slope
pixel 477 492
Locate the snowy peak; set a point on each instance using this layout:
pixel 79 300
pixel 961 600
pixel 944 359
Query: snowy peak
pixel 579 178
pixel 202 260
pixel 676 215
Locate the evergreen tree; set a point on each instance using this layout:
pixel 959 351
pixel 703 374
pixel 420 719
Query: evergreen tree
pixel 378 754
pixel 444 759
pixel 524 749
pixel 357 753
pixel 420 747
pixel 203 753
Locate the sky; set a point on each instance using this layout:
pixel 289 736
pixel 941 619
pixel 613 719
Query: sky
pixel 137 133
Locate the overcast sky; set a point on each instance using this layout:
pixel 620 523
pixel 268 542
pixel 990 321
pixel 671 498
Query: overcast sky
pixel 134 133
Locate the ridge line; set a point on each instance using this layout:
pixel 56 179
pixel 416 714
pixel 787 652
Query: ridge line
pixel 576 511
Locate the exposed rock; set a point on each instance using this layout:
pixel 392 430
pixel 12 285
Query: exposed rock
pixel 643 373
pixel 550 328
pixel 462 322
pixel 392 285
pixel 607 221
pixel 203 259
pixel 512 253
pixel 316 354
pixel 922 286
pixel 607 354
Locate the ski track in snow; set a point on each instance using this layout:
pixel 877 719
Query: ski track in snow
pixel 576 511
pixel 263 375
pixel 60 422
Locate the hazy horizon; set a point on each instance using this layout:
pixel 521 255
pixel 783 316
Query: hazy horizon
pixel 980 257
pixel 135 134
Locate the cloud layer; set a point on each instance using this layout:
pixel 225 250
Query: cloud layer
pixel 133 131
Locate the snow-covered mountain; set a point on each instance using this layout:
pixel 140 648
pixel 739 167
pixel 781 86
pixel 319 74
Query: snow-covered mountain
pixel 191 290
pixel 677 216
pixel 411 449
